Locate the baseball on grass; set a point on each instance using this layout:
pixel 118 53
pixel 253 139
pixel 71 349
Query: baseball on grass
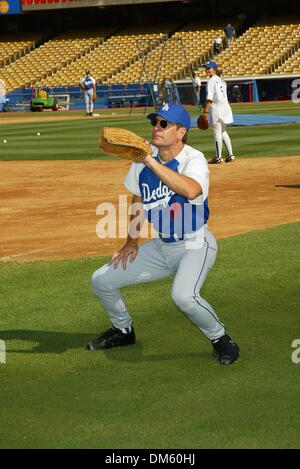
pixel 38 133
pixel 4 141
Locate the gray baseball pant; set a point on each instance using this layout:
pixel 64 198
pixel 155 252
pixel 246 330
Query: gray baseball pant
pixel 157 260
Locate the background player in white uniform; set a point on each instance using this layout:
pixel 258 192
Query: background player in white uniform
pixel 173 186
pixel 197 86
pixel 219 111
pixel 88 85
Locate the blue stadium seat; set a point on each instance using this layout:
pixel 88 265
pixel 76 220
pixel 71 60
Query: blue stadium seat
pixel 102 88
pixel 118 87
pixel 133 86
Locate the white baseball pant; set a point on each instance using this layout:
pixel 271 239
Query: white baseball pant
pixel 220 136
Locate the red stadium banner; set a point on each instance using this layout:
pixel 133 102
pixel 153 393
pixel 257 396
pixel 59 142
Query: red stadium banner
pixel 52 4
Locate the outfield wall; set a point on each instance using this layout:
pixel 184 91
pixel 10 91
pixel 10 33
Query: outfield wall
pixel 252 89
pixel 134 95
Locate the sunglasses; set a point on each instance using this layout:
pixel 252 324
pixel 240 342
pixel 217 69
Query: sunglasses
pixel 162 123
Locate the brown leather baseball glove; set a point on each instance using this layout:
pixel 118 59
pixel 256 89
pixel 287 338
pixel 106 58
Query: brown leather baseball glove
pixel 124 143
pixel 202 121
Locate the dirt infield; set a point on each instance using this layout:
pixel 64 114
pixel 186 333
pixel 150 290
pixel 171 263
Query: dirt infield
pixel 48 208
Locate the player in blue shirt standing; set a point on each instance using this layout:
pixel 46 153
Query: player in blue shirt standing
pixel 229 33
pixel 88 85
pixel 172 188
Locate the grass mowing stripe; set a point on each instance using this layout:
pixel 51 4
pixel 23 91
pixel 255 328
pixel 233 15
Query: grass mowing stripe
pixel 277 140
pixel 166 391
pixel 274 112
pixel 70 140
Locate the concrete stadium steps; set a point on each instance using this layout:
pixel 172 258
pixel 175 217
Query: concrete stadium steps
pixel 291 64
pixel 175 57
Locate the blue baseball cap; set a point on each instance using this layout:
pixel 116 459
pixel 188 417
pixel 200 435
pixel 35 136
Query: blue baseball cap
pixel 174 113
pixel 211 64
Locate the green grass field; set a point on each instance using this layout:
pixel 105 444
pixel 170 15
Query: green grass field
pixel 70 140
pixel 277 108
pixel 167 391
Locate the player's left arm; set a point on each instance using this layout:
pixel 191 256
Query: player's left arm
pixel 180 184
pixel 207 106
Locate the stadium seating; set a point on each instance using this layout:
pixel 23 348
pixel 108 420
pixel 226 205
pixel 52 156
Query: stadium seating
pixel 16 46
pixel 51 56
pixel 175 57
pixel 166 49
pixel 260 50
pixel 291 65
pixel 113 55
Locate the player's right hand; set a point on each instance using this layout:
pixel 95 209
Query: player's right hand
pixel 129 250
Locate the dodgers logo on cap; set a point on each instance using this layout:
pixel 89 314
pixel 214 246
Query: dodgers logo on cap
pixel 174 113
pixel 211 64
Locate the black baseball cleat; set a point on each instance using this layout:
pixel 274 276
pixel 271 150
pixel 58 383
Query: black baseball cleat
pixel 215 161
pixel 226 350
pixel 112 338
pixel 229 159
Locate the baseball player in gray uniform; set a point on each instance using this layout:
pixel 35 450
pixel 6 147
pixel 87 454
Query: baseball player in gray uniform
pixel 172 186
pixel 219 112
pixel 88 85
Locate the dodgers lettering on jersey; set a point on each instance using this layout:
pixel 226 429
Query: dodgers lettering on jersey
pixel 171 214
